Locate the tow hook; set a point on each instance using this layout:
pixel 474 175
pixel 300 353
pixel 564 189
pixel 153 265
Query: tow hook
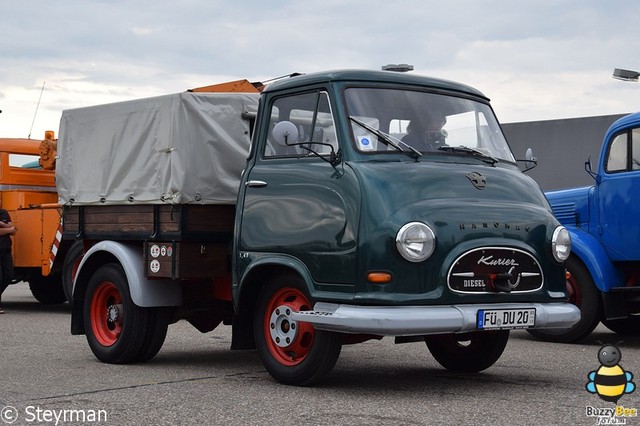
pixel 504 282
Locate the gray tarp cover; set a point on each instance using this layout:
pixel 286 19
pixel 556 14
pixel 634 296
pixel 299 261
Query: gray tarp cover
pixel 181 148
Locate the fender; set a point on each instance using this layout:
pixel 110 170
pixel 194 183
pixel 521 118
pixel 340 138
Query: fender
pixel 266 260
pixel 145 292
pixel 586 247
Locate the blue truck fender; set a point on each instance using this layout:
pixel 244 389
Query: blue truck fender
pixel 144 292
pixel 586 247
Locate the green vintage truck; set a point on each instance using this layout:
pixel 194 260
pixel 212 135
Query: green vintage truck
pixel 328 209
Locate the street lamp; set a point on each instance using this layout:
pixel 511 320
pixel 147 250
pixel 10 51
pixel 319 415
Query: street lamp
pixel 397 67
pixel 625 75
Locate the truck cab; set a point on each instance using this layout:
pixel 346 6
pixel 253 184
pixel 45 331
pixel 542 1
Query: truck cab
pixel 604 267
pixel 28 193
pixel 355 217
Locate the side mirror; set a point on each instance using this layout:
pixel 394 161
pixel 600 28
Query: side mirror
pixel 285 133
pixel 587 168
pixel 530 161
pixel 529 157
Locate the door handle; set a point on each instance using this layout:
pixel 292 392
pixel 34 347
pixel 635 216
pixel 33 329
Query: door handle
pixel 256 183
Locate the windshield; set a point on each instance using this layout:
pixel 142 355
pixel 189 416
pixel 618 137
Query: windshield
pixel 428 122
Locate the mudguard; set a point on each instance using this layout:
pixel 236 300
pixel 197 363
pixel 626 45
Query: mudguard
pixel 263 261
pixel 145 293
pixel 604 274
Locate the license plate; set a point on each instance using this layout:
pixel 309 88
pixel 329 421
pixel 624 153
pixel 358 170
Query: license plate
pixel 506 318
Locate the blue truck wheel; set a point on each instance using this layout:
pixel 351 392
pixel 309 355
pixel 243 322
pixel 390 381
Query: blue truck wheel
pixel 582 293
pixel 627 326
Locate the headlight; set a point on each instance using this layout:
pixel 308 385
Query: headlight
pixel 415 241
pixel 561 244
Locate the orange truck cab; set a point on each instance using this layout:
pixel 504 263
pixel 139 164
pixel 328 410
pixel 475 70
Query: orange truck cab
pixel 28 193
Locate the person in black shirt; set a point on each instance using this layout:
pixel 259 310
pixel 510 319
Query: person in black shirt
pixel 426 134
pixel 6 261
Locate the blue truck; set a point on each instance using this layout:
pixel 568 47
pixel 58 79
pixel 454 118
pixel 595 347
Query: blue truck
pixel 603 271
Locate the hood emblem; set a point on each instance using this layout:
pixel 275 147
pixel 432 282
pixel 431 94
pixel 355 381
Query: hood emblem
pixel 479 181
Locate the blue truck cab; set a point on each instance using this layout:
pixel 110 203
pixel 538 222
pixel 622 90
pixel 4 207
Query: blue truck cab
pixel 603 277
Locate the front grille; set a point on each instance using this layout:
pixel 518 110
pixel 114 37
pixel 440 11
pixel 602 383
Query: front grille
pixel 565 213
pixel 495 269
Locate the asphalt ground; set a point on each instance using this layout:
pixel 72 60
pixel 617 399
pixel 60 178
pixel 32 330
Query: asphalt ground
pixel 48 376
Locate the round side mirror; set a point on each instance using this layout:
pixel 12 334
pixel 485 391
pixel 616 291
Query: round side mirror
pixel 529 155
pixel 285 133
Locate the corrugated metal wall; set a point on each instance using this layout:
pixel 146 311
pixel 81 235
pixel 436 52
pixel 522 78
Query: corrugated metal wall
pixel 561 147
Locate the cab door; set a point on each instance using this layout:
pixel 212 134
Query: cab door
pixel 297 203
pixel 618 194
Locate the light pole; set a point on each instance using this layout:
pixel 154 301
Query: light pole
pixel 625 75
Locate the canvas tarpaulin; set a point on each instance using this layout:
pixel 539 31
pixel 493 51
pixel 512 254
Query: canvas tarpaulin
pixel 181 148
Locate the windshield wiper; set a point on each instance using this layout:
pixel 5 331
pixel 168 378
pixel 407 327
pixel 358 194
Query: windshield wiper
pixel 387 139
pixel 473 151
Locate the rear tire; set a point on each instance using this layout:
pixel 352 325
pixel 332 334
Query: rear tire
pixel 468 352
pixel 70 268
pixel 585 295
pixel 117 330
pixel 293 352
pixel 47 290
pixel 156 334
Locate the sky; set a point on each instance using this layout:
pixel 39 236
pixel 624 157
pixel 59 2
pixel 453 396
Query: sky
pixel 536 60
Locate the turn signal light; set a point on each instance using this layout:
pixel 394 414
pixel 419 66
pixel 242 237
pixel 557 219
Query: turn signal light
pixel 379 277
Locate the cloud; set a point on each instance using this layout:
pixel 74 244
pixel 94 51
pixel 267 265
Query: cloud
pixel 539 60
pixel 142 31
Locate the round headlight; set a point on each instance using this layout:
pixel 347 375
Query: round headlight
pixel 561 244
pixel 415 241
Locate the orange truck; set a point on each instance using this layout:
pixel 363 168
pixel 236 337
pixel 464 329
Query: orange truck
pixel 28 193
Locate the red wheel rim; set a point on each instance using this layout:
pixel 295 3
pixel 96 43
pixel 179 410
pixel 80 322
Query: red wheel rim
pixel 106 314
pixel 573 288
pixel 289 341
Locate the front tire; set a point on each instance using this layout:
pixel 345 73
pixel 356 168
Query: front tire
pixel 468 352
pixel 293 352
pixel 117 330
pixel 585 295
pixel 626 326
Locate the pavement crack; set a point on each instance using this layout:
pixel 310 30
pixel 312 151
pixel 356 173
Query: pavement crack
pixel 137 386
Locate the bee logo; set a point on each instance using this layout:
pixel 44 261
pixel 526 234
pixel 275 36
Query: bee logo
pixel 610 381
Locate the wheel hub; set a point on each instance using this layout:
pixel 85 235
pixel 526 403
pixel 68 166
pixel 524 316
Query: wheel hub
pixel 113 313
pixel 282 328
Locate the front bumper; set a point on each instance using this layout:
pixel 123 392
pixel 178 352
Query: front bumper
pixel 423 320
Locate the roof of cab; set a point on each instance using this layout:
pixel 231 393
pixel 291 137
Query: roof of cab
pixel 20 146
pixel 388 77
pixel 626 121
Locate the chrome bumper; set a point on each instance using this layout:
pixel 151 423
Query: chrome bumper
pixel 423 320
